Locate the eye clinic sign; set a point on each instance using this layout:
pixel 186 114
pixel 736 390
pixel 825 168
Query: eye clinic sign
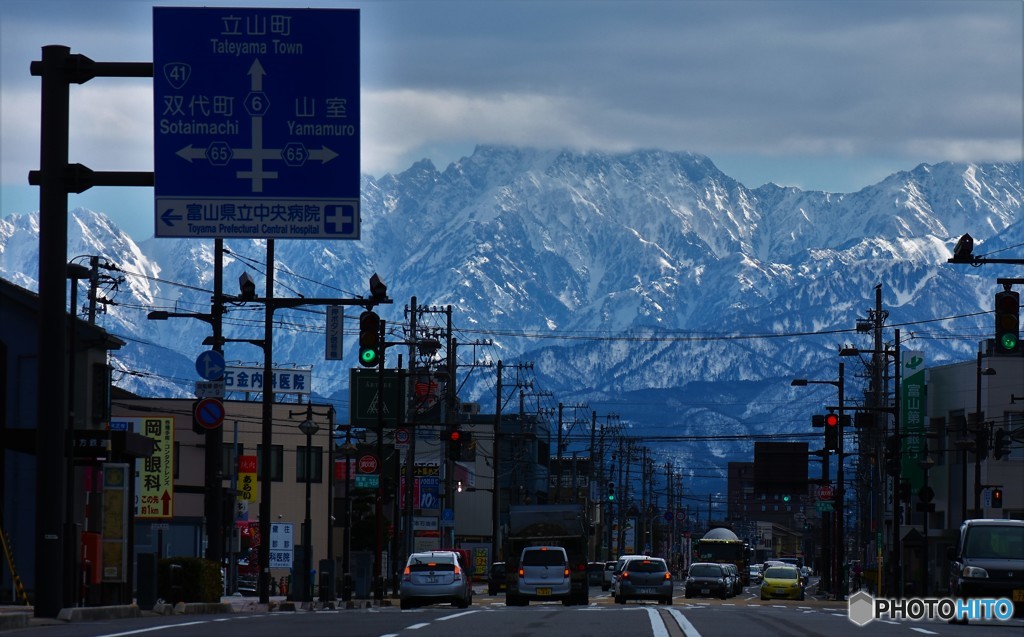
pixel 257 121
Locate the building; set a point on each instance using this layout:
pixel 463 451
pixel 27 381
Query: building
pixel 91 444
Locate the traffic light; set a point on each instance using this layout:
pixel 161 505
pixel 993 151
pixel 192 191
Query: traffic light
pixel 1001 444
pixel 981 443
pixel 831 432
pixel 997 498
pixel 1007 322
pixel 370 351
pixel 892 456
pixel 864 419
pixel 454 440
pixel 611 492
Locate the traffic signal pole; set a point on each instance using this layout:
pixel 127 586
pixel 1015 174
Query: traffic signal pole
pixel 840 550
pixel 56 178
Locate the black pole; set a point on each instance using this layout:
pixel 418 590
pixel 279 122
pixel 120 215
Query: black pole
pixel 895 550
pixel 307 526
pixel 378 557
pixel 496 482
pixel 51 535
pixel 267 438
pixel 840 576
pixel 214 474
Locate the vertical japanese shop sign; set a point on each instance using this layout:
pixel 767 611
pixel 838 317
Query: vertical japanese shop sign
pixel 115 517
pixel 248 486
pixel 156 473
pixel 912 423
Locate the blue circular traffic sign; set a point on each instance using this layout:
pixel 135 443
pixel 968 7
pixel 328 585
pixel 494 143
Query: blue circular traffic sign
pixel 210 413
pixel 210 365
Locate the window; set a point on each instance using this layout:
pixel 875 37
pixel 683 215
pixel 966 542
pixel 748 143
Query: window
pixel 315 460
pixel 276 463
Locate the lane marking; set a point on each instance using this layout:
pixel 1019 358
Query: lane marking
pixel 658 628
pixel 684 623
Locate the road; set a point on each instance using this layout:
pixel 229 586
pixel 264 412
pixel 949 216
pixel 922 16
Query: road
pixel 742 615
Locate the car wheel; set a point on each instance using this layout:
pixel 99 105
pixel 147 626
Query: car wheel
pixel 619 599
pixel 492 592
pixel 668 600
pixel 763 597
pixel 604 587
pixel 405 604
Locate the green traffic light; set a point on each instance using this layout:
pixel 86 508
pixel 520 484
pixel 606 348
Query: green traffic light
pixel 1008 341
pixel 368 356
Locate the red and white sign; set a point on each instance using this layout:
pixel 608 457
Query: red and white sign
pixel 825 492
pixel 368 464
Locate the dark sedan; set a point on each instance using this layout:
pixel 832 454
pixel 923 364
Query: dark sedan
pixel 706 579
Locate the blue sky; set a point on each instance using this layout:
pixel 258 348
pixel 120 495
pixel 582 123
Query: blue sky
pixel 821 94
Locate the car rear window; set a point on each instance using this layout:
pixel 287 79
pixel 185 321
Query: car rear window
pixel 543 558
pixel 646 566
pixel 706 571
pixel 420 564
pixel 781 572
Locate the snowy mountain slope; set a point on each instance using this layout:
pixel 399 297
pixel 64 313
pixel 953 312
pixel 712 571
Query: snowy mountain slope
pixel 631 281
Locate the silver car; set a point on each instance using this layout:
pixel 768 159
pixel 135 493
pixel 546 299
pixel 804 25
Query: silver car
pixel 646 578
pixel 544 574
pixel 435 577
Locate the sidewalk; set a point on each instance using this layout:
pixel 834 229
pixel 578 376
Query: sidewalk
pixel 13 617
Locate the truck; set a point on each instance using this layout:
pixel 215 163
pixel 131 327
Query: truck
pixel 723 546
pixel 564 525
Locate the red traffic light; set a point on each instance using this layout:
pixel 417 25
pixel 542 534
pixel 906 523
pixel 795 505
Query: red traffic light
pixel 455 435
pixel 831 420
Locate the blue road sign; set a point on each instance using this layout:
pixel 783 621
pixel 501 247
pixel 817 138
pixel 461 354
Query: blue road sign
pixel 210 413
pixel 210 365
pixel 256 115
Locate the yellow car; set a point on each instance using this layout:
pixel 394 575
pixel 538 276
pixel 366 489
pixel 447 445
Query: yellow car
pixel 782 582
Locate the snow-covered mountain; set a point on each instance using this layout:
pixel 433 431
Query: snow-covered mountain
pixel 649 284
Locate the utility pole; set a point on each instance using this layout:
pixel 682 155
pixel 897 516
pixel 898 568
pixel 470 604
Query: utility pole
pixel 56 178
pixel 496 482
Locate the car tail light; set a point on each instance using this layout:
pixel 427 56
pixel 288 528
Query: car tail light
pixel 624 575
pixel 668 575
pixel 521 572
pixel 566 573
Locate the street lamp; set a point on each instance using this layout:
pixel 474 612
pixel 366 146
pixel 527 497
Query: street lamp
pixel 214 438
pixel 75 273
pixel 839 555
pixel 309 428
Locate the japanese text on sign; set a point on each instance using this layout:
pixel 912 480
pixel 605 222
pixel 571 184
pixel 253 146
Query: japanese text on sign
pixel 156 473
pixel 283 381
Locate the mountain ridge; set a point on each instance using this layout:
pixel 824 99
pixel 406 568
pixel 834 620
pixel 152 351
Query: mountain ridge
pixel 619 276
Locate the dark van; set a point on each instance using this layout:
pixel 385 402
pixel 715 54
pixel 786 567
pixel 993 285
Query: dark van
pixel 988 561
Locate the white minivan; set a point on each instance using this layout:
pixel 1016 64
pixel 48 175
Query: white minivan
pixel 543 575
